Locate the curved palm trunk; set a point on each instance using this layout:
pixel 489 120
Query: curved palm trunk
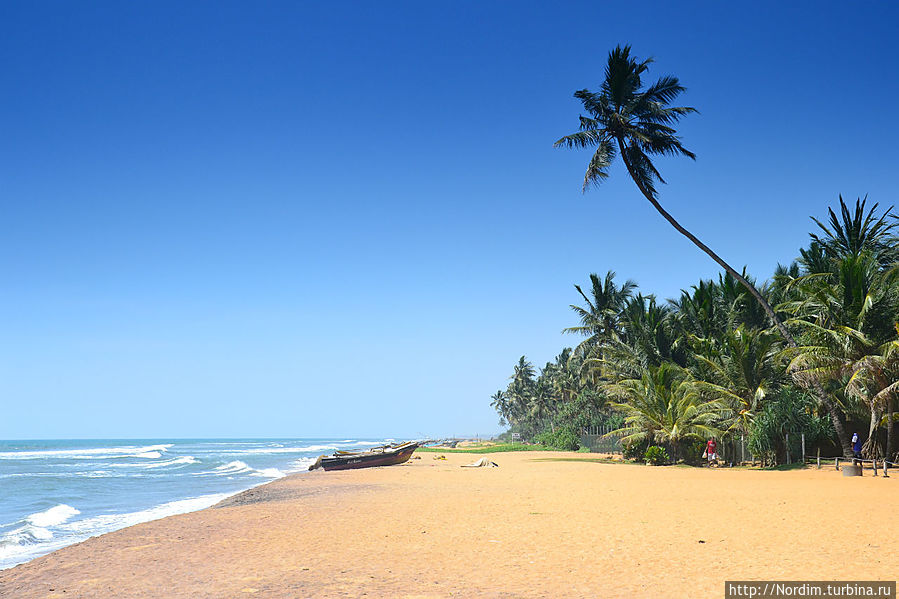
pixel 821 393
pixel 871 448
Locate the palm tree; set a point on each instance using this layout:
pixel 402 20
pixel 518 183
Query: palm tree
pixel 565 376
pixel 636 122
pixel 742 372
pixel 523 377
pixel 847 318
pixel 601 312
pixel 500 403
pixel 520 395
pixel 662 406
pixel 854 232
pixel 877 376
pixel 542 403
pixel 648 338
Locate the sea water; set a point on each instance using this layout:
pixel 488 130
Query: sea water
pixel 56 493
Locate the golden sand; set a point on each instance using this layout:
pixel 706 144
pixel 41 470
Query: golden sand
pixel 530 528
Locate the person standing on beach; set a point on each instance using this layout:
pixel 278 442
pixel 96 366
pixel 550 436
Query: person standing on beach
pixel 711 449
pixel 856 445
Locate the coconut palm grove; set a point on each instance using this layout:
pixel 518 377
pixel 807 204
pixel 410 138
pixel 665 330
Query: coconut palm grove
pixel 810 351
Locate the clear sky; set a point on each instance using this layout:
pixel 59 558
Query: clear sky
pixel 233 219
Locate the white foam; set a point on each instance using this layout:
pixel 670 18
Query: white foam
pixel 91 452
pixel 30 541
pixel 236 467
pixel 301 464
pixel 269 473
pixel 109 522
pixel 35 534
pixel 308 448
pixel 188 459
pixel 22 540
pixel 52 517
pixel 149 455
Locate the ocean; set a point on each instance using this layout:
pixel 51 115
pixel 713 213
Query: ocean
pixel 56 493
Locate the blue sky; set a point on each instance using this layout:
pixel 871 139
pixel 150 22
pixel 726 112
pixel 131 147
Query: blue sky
pixel 347 219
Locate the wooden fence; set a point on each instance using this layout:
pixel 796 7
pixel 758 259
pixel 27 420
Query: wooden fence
pixel 880 465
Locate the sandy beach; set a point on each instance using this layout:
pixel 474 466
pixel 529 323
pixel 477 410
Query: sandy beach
pixel 534 527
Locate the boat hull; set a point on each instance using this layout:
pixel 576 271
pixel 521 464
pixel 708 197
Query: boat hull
pixel 369 459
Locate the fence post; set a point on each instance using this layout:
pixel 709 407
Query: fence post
pixel 803 449
pixel 819 457
pixel 885 466
pixel 742 449
pixel 836 463
pixel 787 443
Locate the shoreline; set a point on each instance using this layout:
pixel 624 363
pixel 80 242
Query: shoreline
pixel 60 492
pixel 530 528
pixel 223 497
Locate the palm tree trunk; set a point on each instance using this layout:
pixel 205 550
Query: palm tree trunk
pixel 870 447
pixel 831 408
pixel 889 454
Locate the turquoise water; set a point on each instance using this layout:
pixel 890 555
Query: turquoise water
pixel 56 493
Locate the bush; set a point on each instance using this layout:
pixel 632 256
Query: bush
pixel 656 455
pixel 564 439
pixel 634 451
pixel 790 412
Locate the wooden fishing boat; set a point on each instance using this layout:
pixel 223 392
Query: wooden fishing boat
pixel 385 455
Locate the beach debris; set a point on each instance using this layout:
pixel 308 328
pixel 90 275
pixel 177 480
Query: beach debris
pixel 439 457
pixel 317 464
pixel 482 463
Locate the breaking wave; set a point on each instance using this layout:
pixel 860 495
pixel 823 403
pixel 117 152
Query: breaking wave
pixel 88 453
pixel 238 467
pixel 52 517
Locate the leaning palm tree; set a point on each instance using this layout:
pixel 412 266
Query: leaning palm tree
pixel 636 123
pixel 626 119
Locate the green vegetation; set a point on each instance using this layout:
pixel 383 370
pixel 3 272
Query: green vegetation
pixel 564 439
pixel 812 351
pixel 656 455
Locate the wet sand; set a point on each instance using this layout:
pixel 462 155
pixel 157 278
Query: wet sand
pixel 530 528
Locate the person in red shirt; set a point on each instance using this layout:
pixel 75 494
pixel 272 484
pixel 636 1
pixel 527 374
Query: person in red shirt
pixel 711 450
